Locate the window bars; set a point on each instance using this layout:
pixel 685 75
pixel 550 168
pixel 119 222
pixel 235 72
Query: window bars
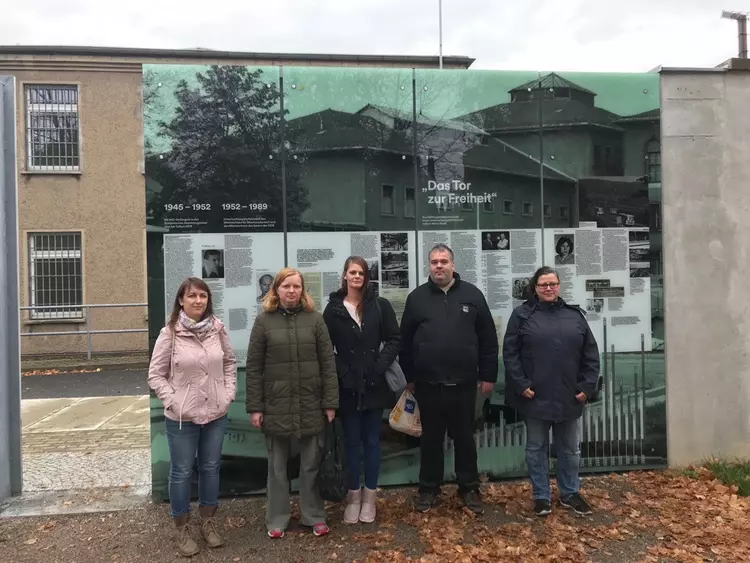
pixel 52 128
pixel 55 275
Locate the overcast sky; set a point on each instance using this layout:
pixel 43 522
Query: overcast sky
pixel 594 35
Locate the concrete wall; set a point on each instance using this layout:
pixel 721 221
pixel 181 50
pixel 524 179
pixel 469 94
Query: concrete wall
pixel 706 204
pixel 10 372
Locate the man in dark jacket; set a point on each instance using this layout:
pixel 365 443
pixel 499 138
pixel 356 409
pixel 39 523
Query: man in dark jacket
pixel 448 349
pixel 551 369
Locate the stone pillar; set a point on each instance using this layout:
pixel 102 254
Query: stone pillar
pixel 705 129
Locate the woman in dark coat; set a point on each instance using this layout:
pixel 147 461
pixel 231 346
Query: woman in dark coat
pixel 551 370
pixel 358 322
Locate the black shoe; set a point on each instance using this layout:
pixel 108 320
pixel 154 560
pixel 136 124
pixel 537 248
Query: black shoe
pixel 472 501
pixel 576 502
pixel 425 501
pixel 542 507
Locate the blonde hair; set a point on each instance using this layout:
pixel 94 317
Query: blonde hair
pixel 271 300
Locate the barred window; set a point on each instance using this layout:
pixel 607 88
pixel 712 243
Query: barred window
pixel 52 128
pixel 653 160
pixel 55 276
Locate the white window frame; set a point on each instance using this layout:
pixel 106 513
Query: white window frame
pixel 36 108
pixel 71 310
pixel 531 209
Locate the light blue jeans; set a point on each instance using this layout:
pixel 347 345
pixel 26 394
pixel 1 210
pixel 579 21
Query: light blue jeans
pixel 194 440
pixel 537 456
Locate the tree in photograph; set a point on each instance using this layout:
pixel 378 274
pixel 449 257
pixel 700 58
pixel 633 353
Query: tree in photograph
pixel 225 147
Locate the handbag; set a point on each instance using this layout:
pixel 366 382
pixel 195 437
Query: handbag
pixel 333 483
pixel 394 375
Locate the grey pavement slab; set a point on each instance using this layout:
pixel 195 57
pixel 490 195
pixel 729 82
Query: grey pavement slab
pixel 88 413
pixel 135 415
pixel 36 410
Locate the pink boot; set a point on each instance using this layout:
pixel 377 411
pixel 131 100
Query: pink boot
pixel 353 506
pixel 367 514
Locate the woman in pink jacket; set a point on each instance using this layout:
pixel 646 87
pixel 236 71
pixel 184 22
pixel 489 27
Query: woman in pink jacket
pixel 193 371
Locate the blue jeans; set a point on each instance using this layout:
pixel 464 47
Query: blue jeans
pixel 567 445
pixel 203 442
pixel 362 432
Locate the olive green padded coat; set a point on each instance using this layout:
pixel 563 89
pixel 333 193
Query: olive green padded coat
pixel 291 372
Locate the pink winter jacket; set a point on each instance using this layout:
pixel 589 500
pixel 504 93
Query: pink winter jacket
pixel 195 380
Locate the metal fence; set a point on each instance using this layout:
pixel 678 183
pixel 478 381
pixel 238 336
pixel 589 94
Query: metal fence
pixel 88 331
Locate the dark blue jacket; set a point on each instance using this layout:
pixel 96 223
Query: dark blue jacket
pixel 448 337
pixel 549 347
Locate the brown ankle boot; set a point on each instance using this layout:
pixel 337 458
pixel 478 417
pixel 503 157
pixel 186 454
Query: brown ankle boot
pixel 208 526
pixel 186 545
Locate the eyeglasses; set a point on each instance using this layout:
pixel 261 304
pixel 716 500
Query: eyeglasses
pixel 551 285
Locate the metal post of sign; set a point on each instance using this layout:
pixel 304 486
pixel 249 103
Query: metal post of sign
pixel 440 31
pixel 10 323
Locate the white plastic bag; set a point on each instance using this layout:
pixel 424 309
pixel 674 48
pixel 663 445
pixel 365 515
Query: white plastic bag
pixel 405 415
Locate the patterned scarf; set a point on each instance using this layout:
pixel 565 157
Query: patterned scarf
pixel 200 329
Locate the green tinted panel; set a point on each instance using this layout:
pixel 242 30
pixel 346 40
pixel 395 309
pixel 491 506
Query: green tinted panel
pixel 511 169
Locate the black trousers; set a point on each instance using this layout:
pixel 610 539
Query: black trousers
pixel 447 408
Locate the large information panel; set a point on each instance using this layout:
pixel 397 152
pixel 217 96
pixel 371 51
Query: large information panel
pixel 248 172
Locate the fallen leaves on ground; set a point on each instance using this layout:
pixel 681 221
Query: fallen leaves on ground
pixel 684 519
pixel 645 517
pixel 59 371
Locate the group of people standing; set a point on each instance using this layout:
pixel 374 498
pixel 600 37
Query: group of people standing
pixel 304 369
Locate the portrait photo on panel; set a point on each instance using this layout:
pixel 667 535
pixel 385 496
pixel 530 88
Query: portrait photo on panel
pixel 213 264
pixel 564 249
pixel 264 285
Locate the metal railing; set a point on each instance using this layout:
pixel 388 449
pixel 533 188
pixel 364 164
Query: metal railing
pixel 87 321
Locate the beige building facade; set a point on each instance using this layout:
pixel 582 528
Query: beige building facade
pixel 81 188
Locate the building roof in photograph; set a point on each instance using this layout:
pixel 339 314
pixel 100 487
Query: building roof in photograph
pixel 337 130
pixel 551 80
pixel 332 130
pixel 650 115
pixel 455 124
pixel 555 113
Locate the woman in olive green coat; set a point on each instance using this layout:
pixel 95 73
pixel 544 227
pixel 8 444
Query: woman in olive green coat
pixel 292 388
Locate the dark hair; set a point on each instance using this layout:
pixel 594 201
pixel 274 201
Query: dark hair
pixel 207 253
pixel 543 271
pixel 441 247
pixel 181 291
pixel 559 244
pixel 362 263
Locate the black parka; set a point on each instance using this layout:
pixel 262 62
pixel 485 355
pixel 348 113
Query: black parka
pixel 448 337
pixel 360 363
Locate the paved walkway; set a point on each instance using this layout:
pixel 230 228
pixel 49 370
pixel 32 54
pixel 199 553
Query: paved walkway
pixel 84 443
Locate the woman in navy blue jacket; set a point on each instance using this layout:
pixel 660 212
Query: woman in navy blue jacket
pixel 551 369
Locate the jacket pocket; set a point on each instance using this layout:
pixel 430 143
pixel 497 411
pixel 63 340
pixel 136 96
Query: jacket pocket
pixel 181 402
pixel 222 399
